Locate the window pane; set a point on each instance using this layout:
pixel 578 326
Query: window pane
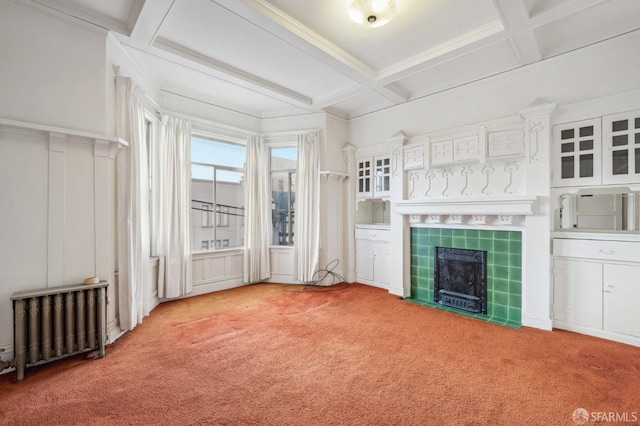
pixel 219 153
pixel 637 155
pixel 637 120
pixel 586 145
pixel 618 126
pixel 283 199
pixel 637 137
pixel 284 158
pixel 566 134
pixel 217 194
pixel 284 162
pixel 202 213
pixel 566 147
pixel 620 162
pixel 619 140
pixel 567 171
pixel 586 165
pixel 230 208
pixel 586 131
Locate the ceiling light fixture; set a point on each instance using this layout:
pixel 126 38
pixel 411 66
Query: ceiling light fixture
pixel 372 13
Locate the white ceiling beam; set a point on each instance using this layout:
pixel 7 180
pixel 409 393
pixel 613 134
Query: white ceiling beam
pixel 339 95
pixel 599 36
pixel 515 17
pixel 561 10
pixel 148 22
pixel 180 55
pixel 466 43
pixel 84 15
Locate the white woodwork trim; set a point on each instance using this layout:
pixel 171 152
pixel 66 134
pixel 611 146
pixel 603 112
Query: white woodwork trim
pixel 86 137
pixel 56 210
pixel 514 206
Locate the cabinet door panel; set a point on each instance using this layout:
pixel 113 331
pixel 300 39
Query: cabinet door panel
pixel 622 299
pixel 381 268
pixel 621 148
pixel 577 153
pixel 364 260
pixel 577 292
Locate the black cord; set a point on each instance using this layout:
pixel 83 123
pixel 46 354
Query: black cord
pixel 322 280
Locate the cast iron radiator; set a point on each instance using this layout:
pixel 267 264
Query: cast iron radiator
pixel 57 322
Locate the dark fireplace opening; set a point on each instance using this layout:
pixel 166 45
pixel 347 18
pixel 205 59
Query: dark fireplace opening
pixel 461 279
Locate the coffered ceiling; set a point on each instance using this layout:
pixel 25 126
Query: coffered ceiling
pixel 270 58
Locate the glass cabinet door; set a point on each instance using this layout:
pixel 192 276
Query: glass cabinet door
pixel 364 178
pixel 577 153
pixel 621 162
pixel 383 175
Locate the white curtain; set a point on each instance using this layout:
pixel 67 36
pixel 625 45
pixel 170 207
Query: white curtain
pixel 172 199
pixel 257 210
pixel 133 205
pixel 306 246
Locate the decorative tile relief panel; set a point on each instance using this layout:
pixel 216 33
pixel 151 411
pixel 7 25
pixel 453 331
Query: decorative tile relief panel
pixel 535 141
pixel 495 178
pixel 414 157
pixel 467 164
pixel 466 149
pixel 507 143
pixel 441 152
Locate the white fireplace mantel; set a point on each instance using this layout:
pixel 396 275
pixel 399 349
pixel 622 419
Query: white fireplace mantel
pixel 469 206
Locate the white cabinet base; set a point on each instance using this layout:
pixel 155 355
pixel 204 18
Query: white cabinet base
pixel 373 256
pixel 616 337
pixel 596 290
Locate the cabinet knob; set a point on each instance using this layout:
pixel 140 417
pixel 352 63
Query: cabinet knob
pixel 606 251
pixel 372 235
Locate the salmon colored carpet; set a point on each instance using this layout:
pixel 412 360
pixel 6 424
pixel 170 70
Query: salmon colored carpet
pixel 258 355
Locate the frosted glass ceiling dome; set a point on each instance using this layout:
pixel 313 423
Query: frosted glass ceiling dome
pixel 372 13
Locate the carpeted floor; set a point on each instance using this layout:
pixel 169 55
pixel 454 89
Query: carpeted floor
pixel 258 355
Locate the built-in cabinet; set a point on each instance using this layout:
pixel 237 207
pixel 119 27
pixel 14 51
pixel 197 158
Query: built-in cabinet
pixel 374 176
pixel 596 286
pixel 600 151
pixel 373 246
pixel 596 246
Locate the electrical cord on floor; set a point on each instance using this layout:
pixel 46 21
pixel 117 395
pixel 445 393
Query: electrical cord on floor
pixel 322 280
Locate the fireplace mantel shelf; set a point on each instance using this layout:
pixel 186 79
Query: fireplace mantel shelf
pixel 469 206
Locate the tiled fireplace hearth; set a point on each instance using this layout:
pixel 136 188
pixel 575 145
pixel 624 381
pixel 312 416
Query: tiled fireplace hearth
pixel 504 269
pixel 495 225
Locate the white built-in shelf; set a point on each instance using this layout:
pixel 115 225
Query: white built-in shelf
pixel 113 143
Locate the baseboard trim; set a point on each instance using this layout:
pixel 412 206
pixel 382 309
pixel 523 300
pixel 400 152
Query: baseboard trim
pixel 601 334
pixel 537 323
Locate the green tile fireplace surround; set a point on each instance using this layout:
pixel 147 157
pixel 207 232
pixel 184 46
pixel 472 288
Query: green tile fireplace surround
pixel 504 269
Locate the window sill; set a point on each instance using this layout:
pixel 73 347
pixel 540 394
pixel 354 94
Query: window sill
pixel 224 251
pixel 280 248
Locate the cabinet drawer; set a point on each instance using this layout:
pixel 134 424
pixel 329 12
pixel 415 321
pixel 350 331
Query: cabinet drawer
pixel 373 234
pixel 592 249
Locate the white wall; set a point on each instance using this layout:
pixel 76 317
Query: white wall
pixel 52 71
pixel 595 71
pixel 56 191
pixel 57 197
pixel 337 134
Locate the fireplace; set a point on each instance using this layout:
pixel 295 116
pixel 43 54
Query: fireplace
pixel 460 279
pixel 503 262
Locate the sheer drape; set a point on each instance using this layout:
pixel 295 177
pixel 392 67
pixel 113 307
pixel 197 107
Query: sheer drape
pixel 306 246
pixel 133 205
pixel 172 197
pixel 257 220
